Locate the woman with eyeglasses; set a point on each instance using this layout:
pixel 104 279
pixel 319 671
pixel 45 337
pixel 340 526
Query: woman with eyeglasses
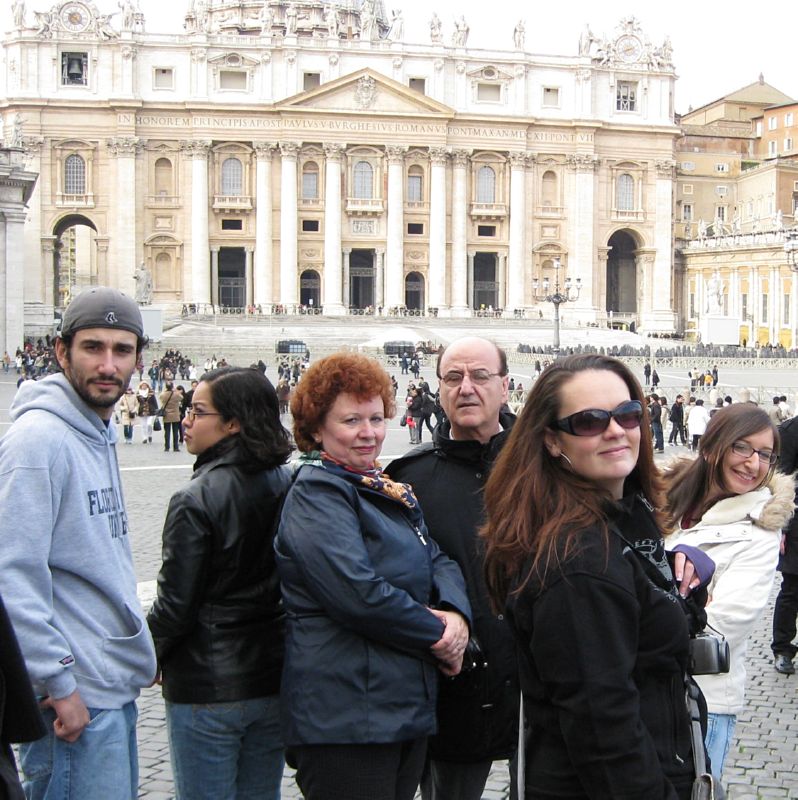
pixel 575 558
pixel 731 502
pixel 217 621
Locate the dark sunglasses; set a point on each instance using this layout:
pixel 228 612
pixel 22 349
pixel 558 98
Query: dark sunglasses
pixel 593 421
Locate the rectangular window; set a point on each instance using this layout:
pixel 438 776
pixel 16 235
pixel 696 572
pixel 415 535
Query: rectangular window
pixel 772 149
pixel 310 226
pixel 310 185
pixel 311 80
pixel 418 85
pixel 787 144
pixel 772 123
pixel 232 225
pixel 764 309
pixel 692 304
pixel 687 212
pixel 626 96
pixel 721 191
pixel 415 228
pixel 74 69
pixel 759 128
pixel 687 188
pixel 720 213
pixel 785 316
pixel 551 97
pixel 723 167
pixel 687 166
pixel 486 230
pixel 489 92
pixel 744 305
pixel 163 78
pixel 233 80
pixel 414 185
pixel 788 120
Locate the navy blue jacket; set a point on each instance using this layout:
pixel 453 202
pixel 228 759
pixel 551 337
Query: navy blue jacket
pixel 356 577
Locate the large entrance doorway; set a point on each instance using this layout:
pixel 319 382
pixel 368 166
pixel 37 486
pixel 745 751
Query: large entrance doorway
pixel 622 274
pixel 310 288
pixel 232 277
pixel 361 279
pixel 414 291
pixel 74 258
pixel 486 287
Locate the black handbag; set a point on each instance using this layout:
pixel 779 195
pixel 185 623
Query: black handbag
pixel 156 425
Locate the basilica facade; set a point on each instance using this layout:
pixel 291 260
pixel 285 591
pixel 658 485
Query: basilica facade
pixel 283 154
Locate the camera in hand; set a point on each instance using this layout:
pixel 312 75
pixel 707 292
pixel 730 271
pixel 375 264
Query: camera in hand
pixel 709 655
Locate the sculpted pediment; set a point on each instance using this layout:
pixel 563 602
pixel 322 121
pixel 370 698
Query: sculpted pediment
pixel 366 90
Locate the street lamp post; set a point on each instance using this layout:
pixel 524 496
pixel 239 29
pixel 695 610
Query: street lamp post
pixel 791 248
pixel 557 297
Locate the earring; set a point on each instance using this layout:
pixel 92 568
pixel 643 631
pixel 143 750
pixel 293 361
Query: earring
pixel 562 455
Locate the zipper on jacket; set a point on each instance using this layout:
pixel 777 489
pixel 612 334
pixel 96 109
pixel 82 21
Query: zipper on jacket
pixel 420 535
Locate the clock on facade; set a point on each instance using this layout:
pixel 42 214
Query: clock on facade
pixel 629 48
pixel 74 17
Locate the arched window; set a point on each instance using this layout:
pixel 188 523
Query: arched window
pixel 232 177
pixel 486 185
pixel 163 177
pixel 549 190
pixel 310 181
pixel 74 175
pixel 364 180
pixel 625 193
pixel 415 184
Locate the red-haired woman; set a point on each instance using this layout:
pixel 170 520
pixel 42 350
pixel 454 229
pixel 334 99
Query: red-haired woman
pixel 575 555
pixel 373 607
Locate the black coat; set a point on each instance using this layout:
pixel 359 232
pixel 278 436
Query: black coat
pixel 20 720
pixel 217 621
pixel 603 659
pixel 478 713
pixel 788 463
pixel 358 574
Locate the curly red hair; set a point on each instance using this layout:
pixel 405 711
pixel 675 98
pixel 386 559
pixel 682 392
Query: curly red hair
pixel 342 373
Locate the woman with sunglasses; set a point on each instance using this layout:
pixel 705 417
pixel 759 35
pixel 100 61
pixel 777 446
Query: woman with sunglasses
pixel 731 502
pixel 217 621
pixel 575 557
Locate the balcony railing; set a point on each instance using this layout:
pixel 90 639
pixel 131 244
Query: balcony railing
pixel 624 215
pixel 416 205
pixel 79 200
pixel 163 200
pixel 488 210
pixel 550 211
pixel 364 205
pixel 232 202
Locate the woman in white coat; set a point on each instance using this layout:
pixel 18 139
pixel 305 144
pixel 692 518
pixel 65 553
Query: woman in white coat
pixel 731 502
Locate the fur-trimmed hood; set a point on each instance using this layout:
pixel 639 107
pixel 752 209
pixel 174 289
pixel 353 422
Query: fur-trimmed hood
pixel 770 507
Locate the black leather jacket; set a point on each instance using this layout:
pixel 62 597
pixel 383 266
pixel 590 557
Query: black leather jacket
pixel 217 621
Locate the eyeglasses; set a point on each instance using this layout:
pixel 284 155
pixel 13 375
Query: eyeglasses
pixel 191 414
pixel 478 376
pixel 746 451
pixel 593 421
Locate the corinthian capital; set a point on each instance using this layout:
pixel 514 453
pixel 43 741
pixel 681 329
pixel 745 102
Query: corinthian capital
pixel 460 157
pixel 438 156
pixel 124 145
pixel 334 151
pixel 518 160
pixel 289 149
pixel 395 153
pixel 196 148
pixel 264 150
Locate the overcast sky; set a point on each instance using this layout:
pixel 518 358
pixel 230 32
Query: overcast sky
pixel 715 50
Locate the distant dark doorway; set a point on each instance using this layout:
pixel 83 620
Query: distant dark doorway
pixel 74 257
pixel 486 287
pixel 309 288
pixel 361 278
pixel 232 277
pixel 414 291
pixel 622 274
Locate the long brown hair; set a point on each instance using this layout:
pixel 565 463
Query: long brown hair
pixel 701 485
pixel 536 505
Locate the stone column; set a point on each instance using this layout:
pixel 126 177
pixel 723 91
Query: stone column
pixel 263 277
pixel 47 247
pixel 35 280
pixel 248 276
pixel 661 316
pixel 502 280
pixel 462 270
pixel 580 210
pixel 515 276
pixel 734 293
pixel 333 278
pixel 124 148
pixel 347 252
pixel 12 284
pixel 436 297
pixel 794 310
pixel 469 282
pixel 288 223
pixel 215 275
pixel 102 243
pixel 200 277
pixel 754 302
pixel 394 268
pixel 379 299
pixel 774 295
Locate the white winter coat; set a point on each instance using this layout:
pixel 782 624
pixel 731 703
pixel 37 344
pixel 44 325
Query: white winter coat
pixel 741 534
pixel 697 421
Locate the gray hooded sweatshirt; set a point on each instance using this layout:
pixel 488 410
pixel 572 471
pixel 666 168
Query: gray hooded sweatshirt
pixel 66 569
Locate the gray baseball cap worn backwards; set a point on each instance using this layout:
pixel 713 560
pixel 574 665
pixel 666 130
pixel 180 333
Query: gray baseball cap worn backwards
pixel 102 307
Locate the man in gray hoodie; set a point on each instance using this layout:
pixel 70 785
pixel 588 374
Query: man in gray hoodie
pixel 67 575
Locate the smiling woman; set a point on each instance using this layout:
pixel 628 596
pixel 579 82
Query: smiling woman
pixel 731 502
